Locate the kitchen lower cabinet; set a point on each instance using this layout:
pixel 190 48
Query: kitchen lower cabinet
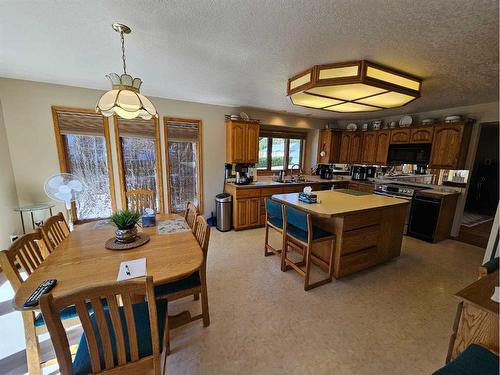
pixel 364 186
pixel 248 212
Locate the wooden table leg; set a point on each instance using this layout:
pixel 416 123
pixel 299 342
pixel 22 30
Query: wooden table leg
pixel 454 334
pixel 32 344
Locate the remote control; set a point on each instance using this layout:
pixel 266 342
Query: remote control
pixel 43 288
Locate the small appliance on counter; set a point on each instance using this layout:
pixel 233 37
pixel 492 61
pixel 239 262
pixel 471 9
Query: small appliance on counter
pixel 421 169
pixel 324 171
pixel 358 173
pixel 244 174
pixel 371 172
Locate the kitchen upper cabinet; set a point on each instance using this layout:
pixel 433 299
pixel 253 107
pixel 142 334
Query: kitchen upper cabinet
pixel 369 149
pixel 422 134
pixel 242 142
pixel 345 141
pixel 450 145
pixel 400 136
pixel 383 139
pixel 325 146
pixel 355 147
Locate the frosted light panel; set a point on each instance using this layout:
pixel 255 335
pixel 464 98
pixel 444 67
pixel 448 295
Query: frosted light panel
pixel 306 78
pixel 313 101
pixel 392 78
pixel 352 107
pixel 347 92
pixel 348 71
pixel 388 100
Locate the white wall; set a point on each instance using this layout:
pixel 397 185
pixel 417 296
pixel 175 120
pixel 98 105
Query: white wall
pixel 30 133
pixel 9 221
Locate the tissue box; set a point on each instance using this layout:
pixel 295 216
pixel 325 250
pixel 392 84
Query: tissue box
pixel 308 198
pixel 148 220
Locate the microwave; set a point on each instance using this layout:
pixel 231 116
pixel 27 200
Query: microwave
pixel 409 154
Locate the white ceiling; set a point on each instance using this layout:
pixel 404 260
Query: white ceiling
pixel 241 52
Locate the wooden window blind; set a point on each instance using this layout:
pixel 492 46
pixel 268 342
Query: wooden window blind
pixel 279 132
pixel 182 131
pixel 80 123
pixel 136 128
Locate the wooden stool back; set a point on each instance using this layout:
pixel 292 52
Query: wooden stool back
pixel 191 214
pixel 94 295
pixel 140 199
pixel 25 251
pixel 55 229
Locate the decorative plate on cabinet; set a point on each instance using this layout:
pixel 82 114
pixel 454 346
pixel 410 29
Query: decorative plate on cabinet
pixel 352 127
pixel 405 121
pixel 244 116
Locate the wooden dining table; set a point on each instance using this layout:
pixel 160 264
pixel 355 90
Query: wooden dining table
pixel 82 259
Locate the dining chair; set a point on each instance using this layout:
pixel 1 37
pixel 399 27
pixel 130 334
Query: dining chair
pixel 140 199
pixel 54 230
pixel 301 234
pixel 191 214
pixel 196 283
pixel 274 220
pixel 119 336
pixel 27 253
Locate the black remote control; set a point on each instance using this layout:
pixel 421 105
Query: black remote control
pixel 43 288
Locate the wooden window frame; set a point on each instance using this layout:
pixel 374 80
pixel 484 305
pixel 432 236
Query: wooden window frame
pixel 199 149
pixel 268 171
pixel 62 154
pixel 158 157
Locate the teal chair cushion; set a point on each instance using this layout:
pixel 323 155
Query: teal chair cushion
pixel 81 364
pixel 296 218
pixel 475 360
pixel 189 282
pixel 274 213
pixel 296 222
pixel 302 235
pixel 491 265
pixel 67 313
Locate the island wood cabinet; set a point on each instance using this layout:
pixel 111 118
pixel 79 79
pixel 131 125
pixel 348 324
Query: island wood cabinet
pixel 242 142
pixel 450 145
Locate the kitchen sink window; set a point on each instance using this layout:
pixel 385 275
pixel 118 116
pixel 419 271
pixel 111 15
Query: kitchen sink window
pixel 280 149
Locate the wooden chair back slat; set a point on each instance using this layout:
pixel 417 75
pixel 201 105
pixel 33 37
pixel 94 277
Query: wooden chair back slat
pixel 55 229
pixel 26 252
pixel 94 297
pixel 202 234
pixel 140 199
pixel 191 214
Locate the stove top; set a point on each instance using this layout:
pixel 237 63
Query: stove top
pixel 404 191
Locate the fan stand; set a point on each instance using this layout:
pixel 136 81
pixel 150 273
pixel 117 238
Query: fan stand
pixel 70 216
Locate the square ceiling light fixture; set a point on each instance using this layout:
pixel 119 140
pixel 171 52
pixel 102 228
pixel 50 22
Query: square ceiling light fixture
pixel 359 86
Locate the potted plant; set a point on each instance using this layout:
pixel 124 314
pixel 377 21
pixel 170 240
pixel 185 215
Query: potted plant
pixel 126 222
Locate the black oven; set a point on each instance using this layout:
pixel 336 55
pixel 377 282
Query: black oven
pixel 409 154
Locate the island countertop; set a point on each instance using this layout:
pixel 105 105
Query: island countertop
pixel 339 202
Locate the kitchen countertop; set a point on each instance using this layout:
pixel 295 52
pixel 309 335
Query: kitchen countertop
pixel 339 202
pixel 270 183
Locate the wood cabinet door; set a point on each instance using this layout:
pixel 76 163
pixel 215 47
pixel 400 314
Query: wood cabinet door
pixel 252 143
pixel 422 135
pixel 446 146
pixel 383 138
pixel 238 142
pixel 325 142
pixel 253 211
pixel 345 141
pixel 400 136
pixel 355 148
pixel 335 147
pixel 369 147
pixel 241 213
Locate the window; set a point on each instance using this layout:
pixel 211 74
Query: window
pixel 82 138
pixel 279 149
pixel 184 163
pixel 138 145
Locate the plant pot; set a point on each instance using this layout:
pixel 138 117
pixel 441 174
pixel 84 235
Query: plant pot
pixel 126 235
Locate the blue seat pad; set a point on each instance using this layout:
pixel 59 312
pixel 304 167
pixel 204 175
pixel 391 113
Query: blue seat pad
pixel 81 364
pixel 277 222
pixel 491 265
pixel 300 234
pixel 186 283
pixel 475 360
pixel 67 313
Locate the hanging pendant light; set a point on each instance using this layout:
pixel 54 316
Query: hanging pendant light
pixel 125 98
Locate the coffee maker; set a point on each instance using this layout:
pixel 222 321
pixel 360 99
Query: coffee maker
pixel 244 174
pixel 358 173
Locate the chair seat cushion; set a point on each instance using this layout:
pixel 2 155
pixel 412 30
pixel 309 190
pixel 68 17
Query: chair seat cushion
pixel 276 221
pixel 491 265
pixel 67 313
pixel 475 360
pixel 81 364
pixel 186 283
pixel 300 234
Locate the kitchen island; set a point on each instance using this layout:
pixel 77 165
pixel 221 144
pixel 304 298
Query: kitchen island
pixel 368 227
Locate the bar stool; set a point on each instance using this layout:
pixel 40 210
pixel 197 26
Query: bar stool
pixel 274 220
pixel 300 234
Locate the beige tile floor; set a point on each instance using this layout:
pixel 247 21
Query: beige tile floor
pixel 393 319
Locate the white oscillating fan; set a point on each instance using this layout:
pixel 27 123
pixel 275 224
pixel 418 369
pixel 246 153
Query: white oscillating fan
pixel 64 187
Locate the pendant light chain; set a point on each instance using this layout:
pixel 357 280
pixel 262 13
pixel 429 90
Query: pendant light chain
pixel 123 53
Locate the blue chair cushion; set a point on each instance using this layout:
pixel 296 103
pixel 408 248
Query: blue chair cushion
pixel 67 313
pixel 81 364
pixel 491 265
pixel 277 222
pixel 300 234
pixel 274 211
pixel 189 282
pixel 296 218
pixel 475 360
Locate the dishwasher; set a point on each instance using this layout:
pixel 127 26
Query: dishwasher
pixel 424 217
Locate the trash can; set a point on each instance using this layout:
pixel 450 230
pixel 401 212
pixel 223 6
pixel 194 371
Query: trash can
pixel 223 203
